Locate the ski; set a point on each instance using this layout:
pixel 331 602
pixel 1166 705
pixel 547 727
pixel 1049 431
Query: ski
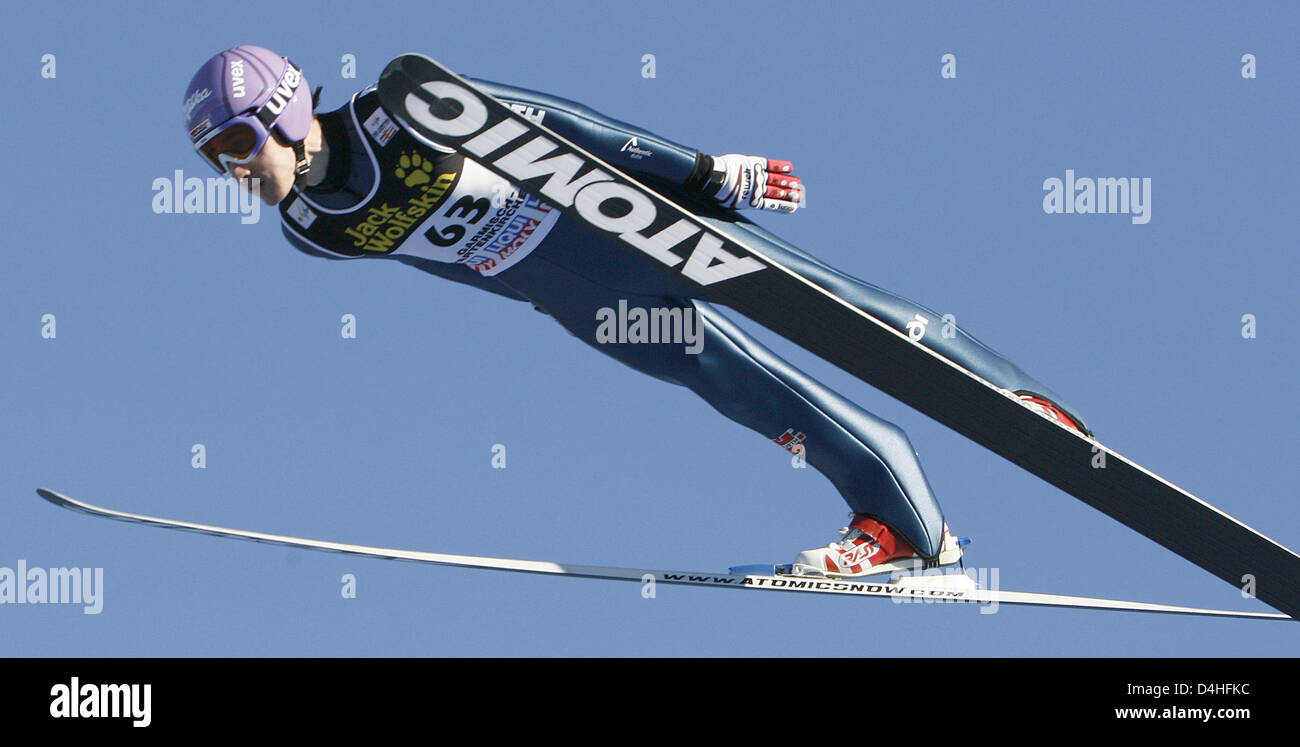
pixel 708 249
pixel 918 589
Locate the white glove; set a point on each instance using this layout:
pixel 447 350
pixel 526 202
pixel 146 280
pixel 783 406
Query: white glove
pixel 741 182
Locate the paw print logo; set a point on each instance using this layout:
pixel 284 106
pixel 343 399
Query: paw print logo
pixel 413 169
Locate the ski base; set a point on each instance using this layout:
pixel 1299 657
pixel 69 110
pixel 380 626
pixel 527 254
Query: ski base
pixel 766 577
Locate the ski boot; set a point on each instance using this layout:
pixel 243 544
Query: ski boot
pixel 868 548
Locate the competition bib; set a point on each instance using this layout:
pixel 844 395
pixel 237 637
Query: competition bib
pixel 426 203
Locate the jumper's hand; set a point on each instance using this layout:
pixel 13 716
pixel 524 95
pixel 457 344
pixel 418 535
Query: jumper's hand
pixel 740 181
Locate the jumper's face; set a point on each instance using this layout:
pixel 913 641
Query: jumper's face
pixel 273 166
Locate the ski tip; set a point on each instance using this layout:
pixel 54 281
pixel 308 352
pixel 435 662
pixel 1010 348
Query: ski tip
pixel 56 498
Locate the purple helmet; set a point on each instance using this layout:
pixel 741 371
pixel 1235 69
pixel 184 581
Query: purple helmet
pixel 238 98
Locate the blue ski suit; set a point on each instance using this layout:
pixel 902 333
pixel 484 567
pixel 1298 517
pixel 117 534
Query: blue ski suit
pixel 385 186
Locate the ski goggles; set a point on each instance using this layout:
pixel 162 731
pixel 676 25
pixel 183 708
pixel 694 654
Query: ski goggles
pixel 236 141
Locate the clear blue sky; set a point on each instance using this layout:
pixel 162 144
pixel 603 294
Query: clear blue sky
pixel 174 330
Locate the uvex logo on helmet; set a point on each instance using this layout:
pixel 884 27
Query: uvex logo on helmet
pixel 284 91
pixel 237 78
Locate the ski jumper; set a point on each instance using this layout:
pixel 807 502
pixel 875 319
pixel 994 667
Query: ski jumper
pixel 391 193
